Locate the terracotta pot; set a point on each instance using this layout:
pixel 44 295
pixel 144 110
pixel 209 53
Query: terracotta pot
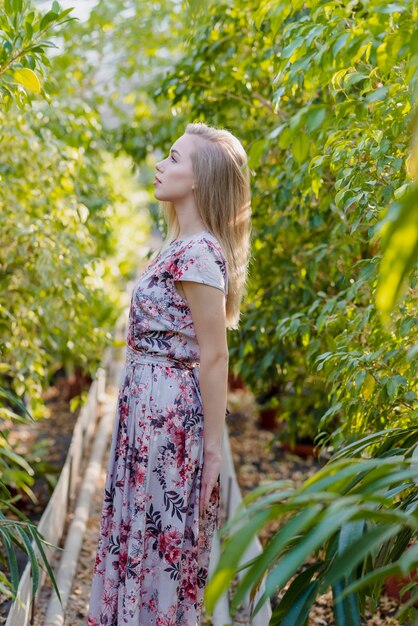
pixel 235 382
pixel 267 418
pixel 74 384
pixel 394 585
pixel 304 450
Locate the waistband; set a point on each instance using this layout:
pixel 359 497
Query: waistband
pixel 141 356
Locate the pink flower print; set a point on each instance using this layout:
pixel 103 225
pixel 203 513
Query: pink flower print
pixel 97 561
pixel 123 559
pixel 172 555
pixel 109 601
pixel 166 620
pixel 170 415
pixel 124 411
pixel 125 527
pixel 174 536
pixel 162 543
pixel 190 589
pixel 140 473
pixel 132 599
pixel 177 435
pixel 172 268
pixel 168 542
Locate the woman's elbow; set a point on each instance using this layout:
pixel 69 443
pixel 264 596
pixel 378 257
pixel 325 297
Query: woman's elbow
pixel 214 355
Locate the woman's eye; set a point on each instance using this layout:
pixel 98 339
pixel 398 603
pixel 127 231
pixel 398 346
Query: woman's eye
pixel 173 159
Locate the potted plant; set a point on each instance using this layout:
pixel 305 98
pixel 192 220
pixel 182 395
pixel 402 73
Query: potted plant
pixel 268 407
pixel 298 438
pixel 401 587
pixel 235 381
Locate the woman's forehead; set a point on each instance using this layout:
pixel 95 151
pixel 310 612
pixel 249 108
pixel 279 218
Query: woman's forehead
pixel 185 144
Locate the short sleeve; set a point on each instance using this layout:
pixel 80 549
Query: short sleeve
pixel 202 262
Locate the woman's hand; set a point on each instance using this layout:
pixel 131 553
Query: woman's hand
pixel 210 474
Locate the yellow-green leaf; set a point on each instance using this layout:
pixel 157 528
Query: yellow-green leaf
pixel 28 79
pixel 368 386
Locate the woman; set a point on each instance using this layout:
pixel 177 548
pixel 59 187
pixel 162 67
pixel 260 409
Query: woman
pixel 161 498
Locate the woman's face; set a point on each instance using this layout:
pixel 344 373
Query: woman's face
pixel 174 178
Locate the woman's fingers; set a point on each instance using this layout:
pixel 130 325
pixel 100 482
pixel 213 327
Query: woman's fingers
pixel 205 495
pixel 207 486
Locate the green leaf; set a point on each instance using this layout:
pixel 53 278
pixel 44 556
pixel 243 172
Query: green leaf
pixel 352 554
pixel 400 244
pixel 288 50
pixel 340 43
pixel 346 610
pixel 392 7
pixel 17 459
pixel 377 94
pixel 256 152
pixel 294 591
pixel 15 400
pixel 232 552
pixel 298 614
pixel 315 117
pixel 28 79
pixel 38 538
pixel 317 536
pixel 47 19
pixel 32 557
pixel 272 551
pixel 11 557
pixel 300 147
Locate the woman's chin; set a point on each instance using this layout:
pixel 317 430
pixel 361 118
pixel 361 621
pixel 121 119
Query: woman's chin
pixel 161 196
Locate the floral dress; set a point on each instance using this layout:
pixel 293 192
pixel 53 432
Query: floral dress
pixel 153 549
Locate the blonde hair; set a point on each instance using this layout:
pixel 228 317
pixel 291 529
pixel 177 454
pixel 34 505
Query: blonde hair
pixel 223 201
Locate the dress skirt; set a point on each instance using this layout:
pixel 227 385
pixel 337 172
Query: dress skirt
pixel 153 549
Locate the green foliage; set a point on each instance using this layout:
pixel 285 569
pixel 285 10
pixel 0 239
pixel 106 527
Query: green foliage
pixel 399 232
pixel 67 217
pixel 21 534
pixel 357 517
pixel 68 211
pixel 16 471
pixel 23 50
pixel 54 225
pixel 322 97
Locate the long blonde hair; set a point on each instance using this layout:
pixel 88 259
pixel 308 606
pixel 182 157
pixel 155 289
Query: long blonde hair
pixel 223 202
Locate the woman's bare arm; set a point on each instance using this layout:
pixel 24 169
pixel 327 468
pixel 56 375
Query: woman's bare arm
pixel 207 307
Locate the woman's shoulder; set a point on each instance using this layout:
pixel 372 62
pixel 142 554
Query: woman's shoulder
pixel 206 242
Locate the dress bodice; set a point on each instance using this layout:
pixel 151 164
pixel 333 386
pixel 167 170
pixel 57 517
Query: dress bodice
pixel 160 320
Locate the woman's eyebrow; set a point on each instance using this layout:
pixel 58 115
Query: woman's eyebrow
pixel 171 151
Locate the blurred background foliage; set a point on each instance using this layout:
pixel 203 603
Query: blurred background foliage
pixel 73 224
pixel 69 207
pixel 322 95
